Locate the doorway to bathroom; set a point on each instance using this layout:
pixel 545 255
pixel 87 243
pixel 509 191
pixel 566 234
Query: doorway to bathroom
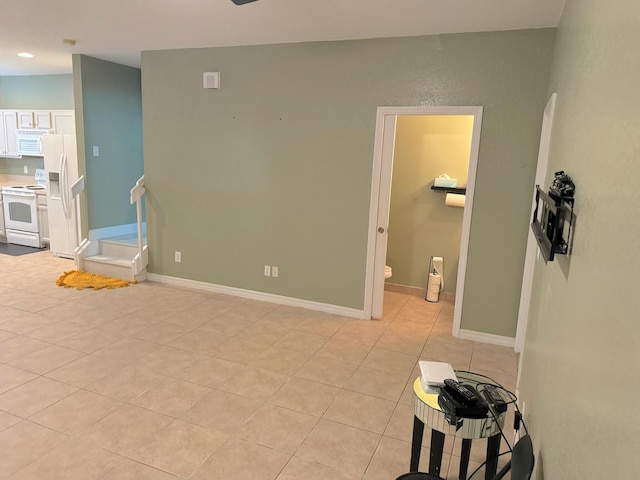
pixel 425 142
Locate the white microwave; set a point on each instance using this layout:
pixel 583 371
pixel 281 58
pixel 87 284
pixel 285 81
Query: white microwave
pixel 29 141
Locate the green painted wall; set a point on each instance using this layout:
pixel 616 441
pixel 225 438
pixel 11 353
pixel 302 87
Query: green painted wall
pixel 108 96
pixel 420 224
pixel 581 363
pixel 47 92
pixel 275 167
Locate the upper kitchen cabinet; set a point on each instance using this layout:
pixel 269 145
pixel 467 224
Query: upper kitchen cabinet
pixel 63 121
pixel 34 119
pixel 8 127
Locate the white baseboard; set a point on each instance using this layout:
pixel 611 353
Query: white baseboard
pixel 487 338
pixel 253 295
pixel 114 231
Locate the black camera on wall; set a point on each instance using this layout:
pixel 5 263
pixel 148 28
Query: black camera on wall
pixel 562 186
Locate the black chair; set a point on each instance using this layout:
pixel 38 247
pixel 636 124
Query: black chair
pixel 520 464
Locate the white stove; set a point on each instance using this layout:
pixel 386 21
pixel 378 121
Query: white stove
pixel 20 205
pixel 29 189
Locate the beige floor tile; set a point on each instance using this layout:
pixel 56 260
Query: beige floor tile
pixel 278 428
pixel 320 326
pixel 366 332
pixel 226 325
pixel 130 470
pixel 392 458
pixel 252 310
pixel 324 370
pixel 5 335
pixel 404 343
pixel 47 359
pixel 281 360
pixel 126 429
pixel 85 370
pixel 306 396
pixel 24 443
pixel 91 340
pixel 400 425
pixel 33 396
pixel 199 341
pixel 167 361
pixel 388 386
pixel 210 371
pixel 7 420
pixel 11 377
pixel 34 302
pixel 297 469
pixel 217 305
pixel 25 323
pixel 455 354
pixel 255 383
pixel 127 350
pixel 346 449
pixel 190 318
pixel 65 311
pixel 162 332
pixel 360 411
pixel 301 341
pixel 389 361
pixel 181 447
pixel 72 459
pixel 344 351
pixel 241 460
pixel 223 411
pixel 260 332
pixel 238 350
pixel 19 346
pixel 171 396
pixel 56 332
pixel 77 412
pixel 495 362
pixel 96 317
pixel 125 383
pixel 285 317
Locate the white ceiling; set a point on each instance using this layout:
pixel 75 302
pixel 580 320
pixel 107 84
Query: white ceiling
pixel 118 30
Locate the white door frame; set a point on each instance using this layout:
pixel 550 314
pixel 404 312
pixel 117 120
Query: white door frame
pixel 532 245
pixel 381 195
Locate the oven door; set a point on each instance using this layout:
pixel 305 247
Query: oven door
pixel 20 211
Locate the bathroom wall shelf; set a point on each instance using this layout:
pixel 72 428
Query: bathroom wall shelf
pixel 461 191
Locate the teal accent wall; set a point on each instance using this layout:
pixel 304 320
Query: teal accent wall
pixel 108 96
pixel 275 167
pixel 581 363
pixel 46 92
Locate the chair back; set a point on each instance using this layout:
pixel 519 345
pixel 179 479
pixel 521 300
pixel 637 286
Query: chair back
pixel 522 459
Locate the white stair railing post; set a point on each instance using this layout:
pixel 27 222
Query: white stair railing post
pixel 136 195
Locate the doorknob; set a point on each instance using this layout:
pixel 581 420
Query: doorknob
pixel 380 230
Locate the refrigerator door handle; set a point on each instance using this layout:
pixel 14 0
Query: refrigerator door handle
pixel 64 194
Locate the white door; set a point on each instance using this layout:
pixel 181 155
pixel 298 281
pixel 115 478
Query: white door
pixel 381 194
pixel 532 246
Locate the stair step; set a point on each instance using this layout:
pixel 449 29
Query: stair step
pixel 123 262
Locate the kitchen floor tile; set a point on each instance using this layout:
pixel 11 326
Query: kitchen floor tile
pixel 33 396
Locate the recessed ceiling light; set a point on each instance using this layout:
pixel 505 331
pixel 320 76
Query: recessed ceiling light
pixel 25 55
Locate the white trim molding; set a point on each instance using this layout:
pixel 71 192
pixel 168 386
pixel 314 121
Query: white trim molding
pixel 254 295
pixel 487 338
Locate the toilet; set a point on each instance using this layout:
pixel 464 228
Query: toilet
pixel 387 271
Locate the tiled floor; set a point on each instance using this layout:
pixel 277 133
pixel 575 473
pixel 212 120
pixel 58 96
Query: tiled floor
pixel 156 382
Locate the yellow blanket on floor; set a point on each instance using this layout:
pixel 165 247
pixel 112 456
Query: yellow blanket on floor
pixel 80 280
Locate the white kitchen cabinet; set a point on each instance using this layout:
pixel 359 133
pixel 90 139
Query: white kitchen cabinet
pixel 63 121
pixel 43 218
pixel 34 119
pixel 8 127
pixel 2 230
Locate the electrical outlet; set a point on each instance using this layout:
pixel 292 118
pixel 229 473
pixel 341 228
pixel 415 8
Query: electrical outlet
pixel 26 169
pixel 178 257
pixel 274 271
pixel 96 151
pixel 267 271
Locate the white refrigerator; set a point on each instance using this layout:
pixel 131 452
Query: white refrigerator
pixel 61 168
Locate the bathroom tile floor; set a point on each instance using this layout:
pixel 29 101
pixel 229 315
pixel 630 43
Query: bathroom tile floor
pixel 158 382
